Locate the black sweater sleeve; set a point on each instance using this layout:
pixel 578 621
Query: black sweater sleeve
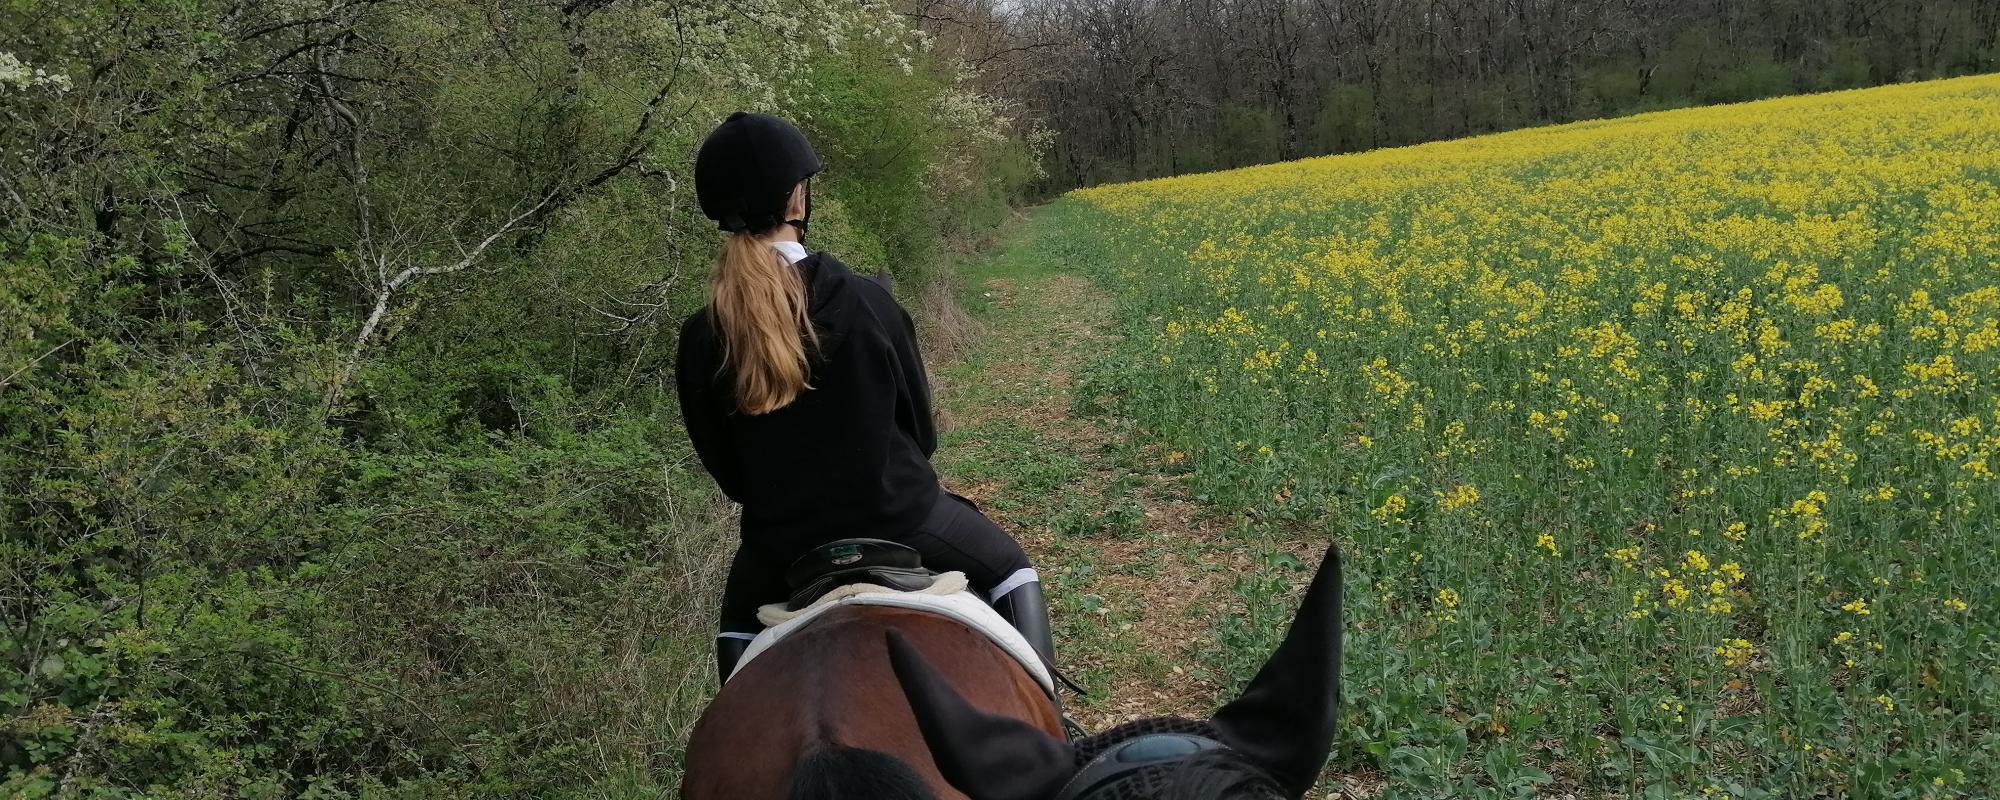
pixel 913 401
pixel 696 367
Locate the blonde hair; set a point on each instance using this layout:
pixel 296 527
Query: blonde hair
pixel 759 305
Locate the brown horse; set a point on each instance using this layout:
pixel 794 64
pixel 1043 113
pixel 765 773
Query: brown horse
pixel 887 703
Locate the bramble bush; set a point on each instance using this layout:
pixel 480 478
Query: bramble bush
pixel 337 453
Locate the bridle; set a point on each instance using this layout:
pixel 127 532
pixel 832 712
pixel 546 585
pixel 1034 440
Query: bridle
pixel 1123 760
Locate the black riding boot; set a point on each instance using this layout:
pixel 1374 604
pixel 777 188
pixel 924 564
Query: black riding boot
pixel 728 651
pixel 1027 610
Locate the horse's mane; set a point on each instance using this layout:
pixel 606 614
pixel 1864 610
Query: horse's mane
pixel 839 772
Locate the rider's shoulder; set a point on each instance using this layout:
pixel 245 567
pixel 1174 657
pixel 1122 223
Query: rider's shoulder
pixel 698 334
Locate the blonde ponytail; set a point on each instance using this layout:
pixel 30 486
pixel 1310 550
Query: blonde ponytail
pixel 759 304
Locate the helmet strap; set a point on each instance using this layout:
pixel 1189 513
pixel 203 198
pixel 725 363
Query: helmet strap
pixel 803 221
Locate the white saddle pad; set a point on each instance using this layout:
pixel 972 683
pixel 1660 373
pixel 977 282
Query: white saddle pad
pixel 946 597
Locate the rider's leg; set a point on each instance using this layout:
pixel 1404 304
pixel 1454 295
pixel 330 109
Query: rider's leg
pixel 729 649
pixel 1025 608
pixel 957 537
pixel 753 582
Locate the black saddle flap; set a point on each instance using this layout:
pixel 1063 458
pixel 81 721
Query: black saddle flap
pixel 850 561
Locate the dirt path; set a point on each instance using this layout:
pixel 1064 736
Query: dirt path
pixel 1136 576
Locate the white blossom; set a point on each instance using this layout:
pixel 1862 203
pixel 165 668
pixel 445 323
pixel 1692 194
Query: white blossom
pixel 16 74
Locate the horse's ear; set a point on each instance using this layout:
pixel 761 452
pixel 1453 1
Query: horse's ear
pixel 986 756
pixel 1284 720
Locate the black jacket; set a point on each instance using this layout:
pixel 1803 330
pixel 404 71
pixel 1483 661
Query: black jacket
pixel 850 456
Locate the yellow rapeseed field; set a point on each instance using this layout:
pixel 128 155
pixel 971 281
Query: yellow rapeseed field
pixel 1664 446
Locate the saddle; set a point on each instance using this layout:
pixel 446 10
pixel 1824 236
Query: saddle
pixel 850 561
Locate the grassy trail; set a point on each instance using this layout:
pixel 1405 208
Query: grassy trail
pixel 1138 574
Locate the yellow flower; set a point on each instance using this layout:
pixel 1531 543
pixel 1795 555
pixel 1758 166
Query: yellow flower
pixel 1460 496
pixel 1390 509
pixel 1796 348
pixel 1675 592
pixel 1736 652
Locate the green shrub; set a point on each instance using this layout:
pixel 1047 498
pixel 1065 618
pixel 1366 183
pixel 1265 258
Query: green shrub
pixel 275 524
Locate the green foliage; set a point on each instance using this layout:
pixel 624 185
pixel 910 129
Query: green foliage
pixel 275 522
pixel 1611 88
pixel 1751 78
pixel 908 166
pixel 1244 641
pixel 876 143
pixel 1347 120
pixel 1249 135
pixel 1699 69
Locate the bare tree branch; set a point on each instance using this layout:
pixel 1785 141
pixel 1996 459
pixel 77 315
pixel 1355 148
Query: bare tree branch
pixel 30 365
pixel 385 294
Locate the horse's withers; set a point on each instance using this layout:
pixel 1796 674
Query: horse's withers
pixel 831 685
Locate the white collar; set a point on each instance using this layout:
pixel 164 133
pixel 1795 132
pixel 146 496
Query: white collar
pixel 792 251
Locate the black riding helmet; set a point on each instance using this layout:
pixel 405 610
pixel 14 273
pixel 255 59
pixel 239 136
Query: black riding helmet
pixel 745 171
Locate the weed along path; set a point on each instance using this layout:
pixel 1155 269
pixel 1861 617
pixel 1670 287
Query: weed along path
pixel 1143 582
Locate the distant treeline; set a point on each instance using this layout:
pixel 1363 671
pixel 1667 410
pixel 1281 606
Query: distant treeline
pixel 1142 88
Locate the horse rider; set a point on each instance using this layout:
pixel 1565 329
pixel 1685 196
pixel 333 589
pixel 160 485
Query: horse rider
pixel 806 397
